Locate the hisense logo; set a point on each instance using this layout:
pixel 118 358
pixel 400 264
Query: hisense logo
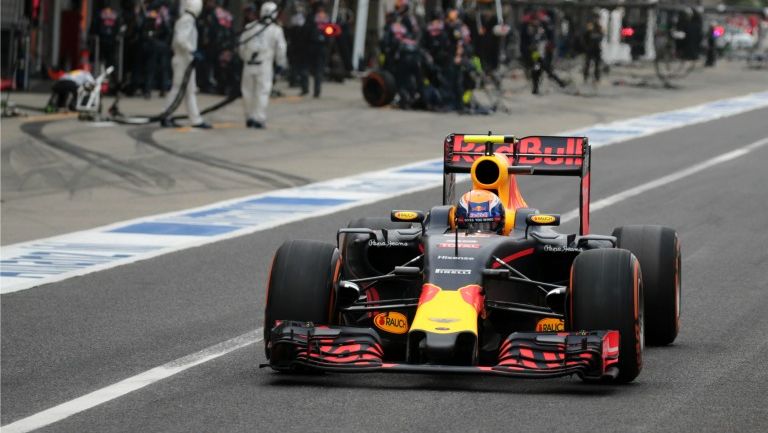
pixel 455 258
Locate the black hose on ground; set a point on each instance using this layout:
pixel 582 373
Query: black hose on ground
pixel 119 117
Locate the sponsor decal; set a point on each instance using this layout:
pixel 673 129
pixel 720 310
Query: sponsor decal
pixel 482 216
pixel 392 322
pixel 461 245
pixel 455 258
pixel 462 146
pixel 554 249
pixel 543 219
pixel 468 235
pixel 475 217
pixel 550 324
pixel 531 147
pixel 373 243
pixel 453 271
pixel 533 151
pixel 406 215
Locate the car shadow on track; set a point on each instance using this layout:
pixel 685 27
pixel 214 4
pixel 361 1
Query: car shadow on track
pixel 485 385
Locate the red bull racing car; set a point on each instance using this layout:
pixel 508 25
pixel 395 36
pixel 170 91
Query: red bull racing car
pixel 479 285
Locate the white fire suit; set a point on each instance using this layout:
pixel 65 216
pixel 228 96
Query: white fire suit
pixel 259 53
pixel 184 46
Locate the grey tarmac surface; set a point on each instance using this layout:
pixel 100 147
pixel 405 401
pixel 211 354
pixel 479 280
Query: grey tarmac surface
pixel 63 340
pixel 60 175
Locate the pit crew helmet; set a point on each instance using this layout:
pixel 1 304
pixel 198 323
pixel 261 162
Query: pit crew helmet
pixel 480 210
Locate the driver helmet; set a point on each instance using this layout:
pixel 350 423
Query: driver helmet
pixel 480 210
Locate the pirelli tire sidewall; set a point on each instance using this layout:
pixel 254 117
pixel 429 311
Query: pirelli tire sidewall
pixel 302 284
pixel 379 88
pixel 658 250
pixel 606 293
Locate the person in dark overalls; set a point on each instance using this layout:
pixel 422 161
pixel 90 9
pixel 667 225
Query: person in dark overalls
pixel 134 54
pixel 711 47
pixel 297 49
pixel 316 49
pixel 460 46
pixel 224 57
pixel 439 57
pixel 591 41
pixel 156 37
pixel 536 48
pixel 207 25
pixel 401 40
pixel 106 27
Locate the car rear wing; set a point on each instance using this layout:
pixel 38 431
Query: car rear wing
pixel 536 155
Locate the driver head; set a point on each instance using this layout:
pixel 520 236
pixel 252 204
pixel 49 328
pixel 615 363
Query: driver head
pixel 480 210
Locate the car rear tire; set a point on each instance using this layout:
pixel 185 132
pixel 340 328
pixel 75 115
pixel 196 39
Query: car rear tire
pixel 657 249
pixel 379 88
pixel 605 293
pixel 301 284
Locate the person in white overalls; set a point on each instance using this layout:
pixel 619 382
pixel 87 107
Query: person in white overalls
pixel 262 44
pixel 184 52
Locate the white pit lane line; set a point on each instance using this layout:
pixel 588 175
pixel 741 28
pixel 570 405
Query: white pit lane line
pixel 111 392
pixel 30 264
pixel 119 389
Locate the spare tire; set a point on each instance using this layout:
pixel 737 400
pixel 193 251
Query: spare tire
pixel 379 88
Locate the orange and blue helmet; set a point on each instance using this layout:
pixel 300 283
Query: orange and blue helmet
pixel 480 210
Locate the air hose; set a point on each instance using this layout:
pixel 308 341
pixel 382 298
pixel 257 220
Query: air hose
pixel 119 117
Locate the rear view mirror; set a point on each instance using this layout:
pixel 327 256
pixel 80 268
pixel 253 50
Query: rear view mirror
pixel 541 219
pixel 408 216
pixel 347 293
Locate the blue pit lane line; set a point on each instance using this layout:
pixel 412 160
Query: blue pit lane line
pixel 30 264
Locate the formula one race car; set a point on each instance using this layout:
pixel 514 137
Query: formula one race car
pixel 483 285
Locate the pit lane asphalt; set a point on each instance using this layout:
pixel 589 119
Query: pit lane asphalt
pixel 63 340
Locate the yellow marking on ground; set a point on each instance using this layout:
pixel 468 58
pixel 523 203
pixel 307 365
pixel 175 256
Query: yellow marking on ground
pixel 225 125
pixel 53 116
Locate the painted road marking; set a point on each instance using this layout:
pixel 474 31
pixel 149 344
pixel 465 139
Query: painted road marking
pixel 119 389
pixel 30 264
pixel 674 177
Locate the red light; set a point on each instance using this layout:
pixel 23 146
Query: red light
pixel 330 30
pixel 627 32
pixel 718 31
pixel 35 9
